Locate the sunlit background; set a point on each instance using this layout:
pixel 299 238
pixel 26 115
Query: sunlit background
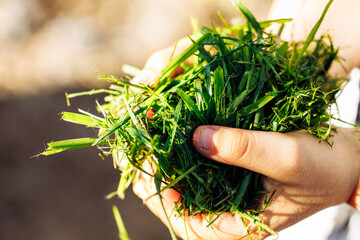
pixel 47 48
pixel 47 45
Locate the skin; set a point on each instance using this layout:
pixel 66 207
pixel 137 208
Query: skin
pixel 340 22
pixel 308 175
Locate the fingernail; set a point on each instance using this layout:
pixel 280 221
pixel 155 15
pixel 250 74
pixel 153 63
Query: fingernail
pixel 206 136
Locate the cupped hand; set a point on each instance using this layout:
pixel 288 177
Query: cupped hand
pixel 308 174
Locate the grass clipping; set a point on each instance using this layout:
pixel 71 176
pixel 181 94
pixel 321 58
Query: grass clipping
pixel 242 77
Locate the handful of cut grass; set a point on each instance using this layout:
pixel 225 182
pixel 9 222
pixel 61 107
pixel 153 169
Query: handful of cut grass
pixel 242 77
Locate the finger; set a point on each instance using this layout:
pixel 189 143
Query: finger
pixel 269 153
pixel 228 226
pixel 156 63
pixel 153 66
pixel 147 192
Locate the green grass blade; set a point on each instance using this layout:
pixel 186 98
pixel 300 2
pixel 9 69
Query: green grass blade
pixel 253 219
pixel 91 92
pixel 122 82
pixel 237 101
pixel 64 145
pixel 257 105
pixel 170 141
pixel 137 124
pixel 127 176
pixel 199 95
pixel 249 16
pixel 219 87
pixel 181 177
pixel 311 36
pixel 267 23
pixel 241 193
pixel 158 181
pixel 115 127
pixel 266 60
pixel 123 235
pixel 82 119
pixel 171 229
pixel 191 105
pixel 168 70
pixel 226 24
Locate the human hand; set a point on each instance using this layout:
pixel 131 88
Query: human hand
pixel 308 176
pixel 306 13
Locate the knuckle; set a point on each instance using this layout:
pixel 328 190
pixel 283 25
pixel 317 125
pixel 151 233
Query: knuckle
pixel 293 160
pixel 234 148
pixel 245 143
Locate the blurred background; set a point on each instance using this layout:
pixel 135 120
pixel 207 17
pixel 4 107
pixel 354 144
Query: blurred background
pixel 47 48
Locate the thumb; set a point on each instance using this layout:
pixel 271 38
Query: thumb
pixel 268 153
